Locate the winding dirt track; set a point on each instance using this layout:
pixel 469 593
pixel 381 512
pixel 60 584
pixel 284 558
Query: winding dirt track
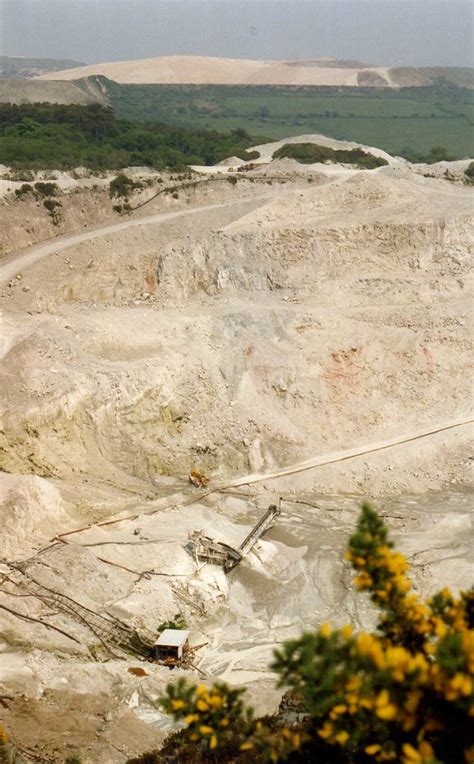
pixel 38 252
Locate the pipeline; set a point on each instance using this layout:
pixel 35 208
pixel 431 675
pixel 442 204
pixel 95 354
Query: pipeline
pixel 309 464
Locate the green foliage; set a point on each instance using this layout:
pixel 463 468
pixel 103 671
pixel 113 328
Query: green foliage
pixel 309 153
pixel 23 175
pixel 469 171
pixel 417 117
pixel 25 190
pixel 211 715
pixel 46 189
pixel 43 136
pixel 436 154
pixel 122 186
pixel 53 207
pixel 51 204
pixel 177 622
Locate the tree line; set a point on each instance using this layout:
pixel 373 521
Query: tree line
pixel 58 136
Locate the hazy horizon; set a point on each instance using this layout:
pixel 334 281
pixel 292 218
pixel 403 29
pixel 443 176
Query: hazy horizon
pixel 384 32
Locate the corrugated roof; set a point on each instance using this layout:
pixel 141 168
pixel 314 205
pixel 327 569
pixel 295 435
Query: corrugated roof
pixel 172 638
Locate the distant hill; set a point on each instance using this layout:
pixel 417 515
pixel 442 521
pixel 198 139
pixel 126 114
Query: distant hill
pixel 17 67
pixel 201 70
pixel 39 91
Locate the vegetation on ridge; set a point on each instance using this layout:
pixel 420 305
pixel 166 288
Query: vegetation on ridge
pixel 407 122
pixel 309 153
pixel 403 693
pixel 55 136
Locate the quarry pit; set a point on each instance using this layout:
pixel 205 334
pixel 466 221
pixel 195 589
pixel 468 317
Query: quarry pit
pixel 239 330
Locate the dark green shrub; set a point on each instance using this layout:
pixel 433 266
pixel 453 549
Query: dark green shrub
pixel 177 622
pixel 309 153
pixel 122 186
pixel 53 207
pixel 469 172
pixel 51 204
pixel 24 190
pixel 46 188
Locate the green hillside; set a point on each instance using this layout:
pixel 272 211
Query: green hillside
pixel 407 121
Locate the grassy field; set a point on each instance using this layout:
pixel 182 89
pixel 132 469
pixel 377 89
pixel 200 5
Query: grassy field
pixel 408 120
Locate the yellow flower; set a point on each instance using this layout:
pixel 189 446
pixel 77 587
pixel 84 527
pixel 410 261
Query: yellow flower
pixel 363 580
pixel 213 742
pixel 224 722
pixel 354 683
pixel 365 643
pixel 202 706
pixel 342 737
pixel 411 755
pixel 398 658
pixel 440 628
pixel 462 684
pixel 347 631
pixel 190 718
pixel 413 699
pixel 246 746
pixel 326 730
pixel 387 712
pixel 177 704
pixel 297 739
pixel 325 630
pixel 418 663
pixel 426 751
pixel 372 749
pixel 201 689
pixel 204 729
pixel 215 701
pixel 383 708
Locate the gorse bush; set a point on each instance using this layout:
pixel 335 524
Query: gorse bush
pixel 403 693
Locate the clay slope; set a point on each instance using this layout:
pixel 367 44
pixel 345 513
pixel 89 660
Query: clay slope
pixel 246 338
pixel 201 70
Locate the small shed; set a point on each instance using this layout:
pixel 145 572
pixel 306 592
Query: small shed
pixel 171 645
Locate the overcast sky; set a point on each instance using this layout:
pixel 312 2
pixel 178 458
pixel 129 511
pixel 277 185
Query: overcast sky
pixel 391 32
